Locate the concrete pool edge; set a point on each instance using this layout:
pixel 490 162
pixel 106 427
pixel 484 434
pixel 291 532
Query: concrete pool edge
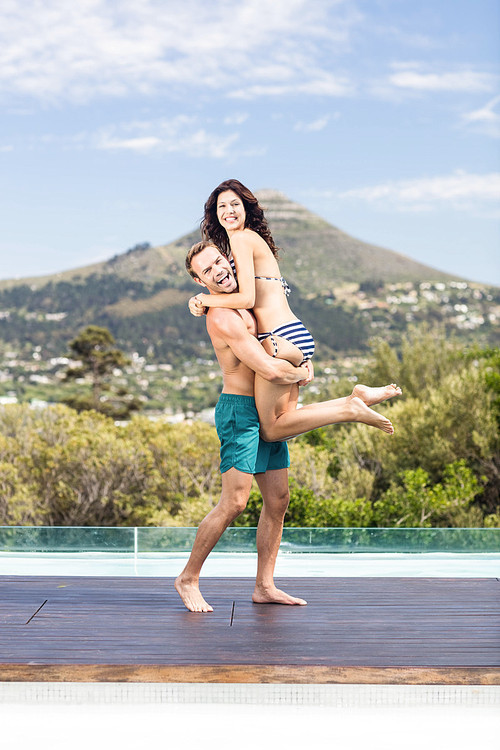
pixel 305 694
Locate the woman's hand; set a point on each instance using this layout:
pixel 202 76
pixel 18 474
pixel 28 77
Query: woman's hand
pixel 196 307
pixel 310 370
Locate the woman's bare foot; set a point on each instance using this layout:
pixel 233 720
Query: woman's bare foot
pixel 191 596
pixel 272 595
pixel 363 413
pixel 373 396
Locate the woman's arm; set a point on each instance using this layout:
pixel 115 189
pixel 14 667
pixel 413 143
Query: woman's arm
pixel 242 249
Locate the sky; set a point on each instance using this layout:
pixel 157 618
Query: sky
pixel 119 117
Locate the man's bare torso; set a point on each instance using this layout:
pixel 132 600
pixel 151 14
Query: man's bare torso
pixel 237 377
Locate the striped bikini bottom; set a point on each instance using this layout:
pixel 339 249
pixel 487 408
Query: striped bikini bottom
pixel 296 333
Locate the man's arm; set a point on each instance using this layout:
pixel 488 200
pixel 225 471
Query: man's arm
pixel 232 330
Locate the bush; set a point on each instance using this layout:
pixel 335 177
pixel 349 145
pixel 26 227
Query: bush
pixel 413 502
pixel 441 467
pixel 63 468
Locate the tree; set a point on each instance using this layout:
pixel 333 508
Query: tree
pixel 63 468
pixel 450 411
pixel 415 502
pixel 95 351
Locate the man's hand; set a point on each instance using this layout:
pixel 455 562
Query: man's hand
pixel 310 370
pixel 196 307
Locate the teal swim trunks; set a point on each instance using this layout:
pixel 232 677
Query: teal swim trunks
pixel 241 447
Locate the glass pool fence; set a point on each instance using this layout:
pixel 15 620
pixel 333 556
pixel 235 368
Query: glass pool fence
pixel 146 541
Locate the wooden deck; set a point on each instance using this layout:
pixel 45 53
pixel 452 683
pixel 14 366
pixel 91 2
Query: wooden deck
pixel 354 630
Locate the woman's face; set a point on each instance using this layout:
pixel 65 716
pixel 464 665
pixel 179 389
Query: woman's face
pixel 230 211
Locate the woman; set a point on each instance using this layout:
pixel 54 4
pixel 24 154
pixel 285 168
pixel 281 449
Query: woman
pixel 235 223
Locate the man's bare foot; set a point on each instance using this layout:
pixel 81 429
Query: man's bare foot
pixel 272 595
pixel 373 396
pixel 191 596
pixel 363 413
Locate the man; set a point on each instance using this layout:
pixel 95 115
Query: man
pixel 243 453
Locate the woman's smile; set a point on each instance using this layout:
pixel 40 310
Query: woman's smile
pixel 231 211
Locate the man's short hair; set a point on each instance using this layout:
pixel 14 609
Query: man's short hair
pixel 197 248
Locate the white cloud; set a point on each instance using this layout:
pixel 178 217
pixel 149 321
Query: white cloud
pixel 416 78
pixel 462 191
pixel 193 136
pixel 460 80
pixel 238 118
pixel 180 134
pixel 315 125
pixel 485 119
pixel 84 49
pixel 108 143
pixel 317 83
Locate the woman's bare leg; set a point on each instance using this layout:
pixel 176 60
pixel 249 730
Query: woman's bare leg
pixel 277 346
pixel 369 395
pixel 279 420
pixel 373 396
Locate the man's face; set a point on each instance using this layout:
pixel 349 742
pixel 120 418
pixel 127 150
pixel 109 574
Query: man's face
pixel 214 271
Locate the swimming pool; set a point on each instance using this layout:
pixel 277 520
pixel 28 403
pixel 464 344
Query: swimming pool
pixel 97 551
pixel 297 715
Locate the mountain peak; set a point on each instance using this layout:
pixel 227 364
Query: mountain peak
pixel 268 194
pixel 317 256
pixel 279 208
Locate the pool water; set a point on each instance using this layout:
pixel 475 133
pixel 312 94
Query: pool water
pixel 244 564
pixel 129 551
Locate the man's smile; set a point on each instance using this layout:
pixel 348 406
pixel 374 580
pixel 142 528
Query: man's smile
pixel 224 280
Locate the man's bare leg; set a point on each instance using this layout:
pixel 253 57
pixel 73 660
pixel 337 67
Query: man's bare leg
pixel 235 491
pixel 274 488
pixel 279 420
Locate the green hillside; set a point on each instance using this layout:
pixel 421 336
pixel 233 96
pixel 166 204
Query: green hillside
pixel 319 257
pixel 316 256
pixel 344 289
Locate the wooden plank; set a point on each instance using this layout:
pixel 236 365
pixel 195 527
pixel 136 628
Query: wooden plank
pixel 14 612
pixel 353 629
pixel 236 673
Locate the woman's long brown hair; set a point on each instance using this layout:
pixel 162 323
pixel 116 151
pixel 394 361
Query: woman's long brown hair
pixel 212 230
